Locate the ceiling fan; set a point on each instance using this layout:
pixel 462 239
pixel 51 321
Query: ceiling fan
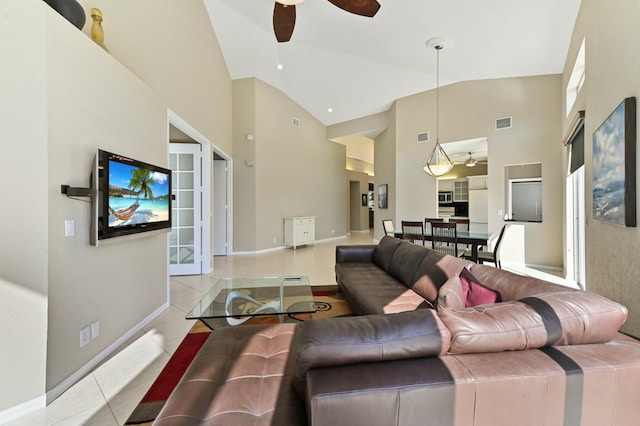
pixel 471 162
pixel 284 14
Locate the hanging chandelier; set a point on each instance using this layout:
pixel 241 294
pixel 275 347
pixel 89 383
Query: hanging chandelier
pixel 439 162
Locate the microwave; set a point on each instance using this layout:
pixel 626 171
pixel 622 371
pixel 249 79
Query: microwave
pixel 445 196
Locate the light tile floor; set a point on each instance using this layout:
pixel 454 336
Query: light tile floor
pixel 108 395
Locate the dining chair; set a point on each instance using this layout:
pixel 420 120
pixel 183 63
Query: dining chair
pixel 429 220
pixel 489 256
pixel 461 225
pixel 387 225
pixel 413 232
pixel 444 237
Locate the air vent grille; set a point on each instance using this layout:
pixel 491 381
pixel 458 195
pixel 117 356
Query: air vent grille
pixel 423 137
pixel 295 122
pixel 503 123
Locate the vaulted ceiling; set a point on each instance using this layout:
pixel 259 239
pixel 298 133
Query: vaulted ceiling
pixel 357 66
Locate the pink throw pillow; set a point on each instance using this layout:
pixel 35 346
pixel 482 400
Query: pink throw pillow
pixel 474 293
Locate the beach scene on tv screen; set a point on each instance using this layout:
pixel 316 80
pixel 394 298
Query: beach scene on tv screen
pixel 137 195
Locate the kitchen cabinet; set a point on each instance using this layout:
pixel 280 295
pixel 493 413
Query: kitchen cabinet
pixel 477 182
pixel 445 185
pixel 460 190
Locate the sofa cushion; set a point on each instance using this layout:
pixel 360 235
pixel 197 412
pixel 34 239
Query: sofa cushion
pixel 557 318
pixel 240 376
pixel 370 338
pixel 474 293
pixel 450 295
pixel 434 270
pixel 405 261
pixel 370 290
pixel 384 251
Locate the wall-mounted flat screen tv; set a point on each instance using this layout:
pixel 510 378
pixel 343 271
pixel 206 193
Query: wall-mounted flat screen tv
pixel 130 196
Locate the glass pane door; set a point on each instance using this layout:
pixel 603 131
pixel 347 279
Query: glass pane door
pixel 185 251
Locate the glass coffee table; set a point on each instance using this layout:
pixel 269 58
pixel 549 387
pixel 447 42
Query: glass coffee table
pixel 233 301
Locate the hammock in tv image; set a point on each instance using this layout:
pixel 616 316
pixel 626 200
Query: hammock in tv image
pixel 127 213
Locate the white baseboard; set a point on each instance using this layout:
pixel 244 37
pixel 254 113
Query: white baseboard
pixel 270 250
pixel 326 240
pixel 108 351
pixel 23 409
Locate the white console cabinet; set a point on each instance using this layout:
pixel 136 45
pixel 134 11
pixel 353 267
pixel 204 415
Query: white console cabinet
pixel 299 230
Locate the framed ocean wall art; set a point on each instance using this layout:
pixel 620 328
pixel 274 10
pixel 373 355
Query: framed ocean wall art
pixel 614 166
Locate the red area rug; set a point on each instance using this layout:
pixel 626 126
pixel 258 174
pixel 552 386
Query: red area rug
pixel 153 401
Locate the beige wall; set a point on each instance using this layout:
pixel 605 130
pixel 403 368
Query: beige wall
pixel 385 154
pixel 171 46
pixel 94 102
pixel 63 97
pixel 612 68
pixel 357 165
pixel 468 110
pixel 296 171
pixel 23 230
pixel 244 171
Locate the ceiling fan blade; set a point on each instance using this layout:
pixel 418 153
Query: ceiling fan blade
pixel 359 7
pixel 284 20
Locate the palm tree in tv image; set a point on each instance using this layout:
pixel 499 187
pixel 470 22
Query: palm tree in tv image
pixel 141 182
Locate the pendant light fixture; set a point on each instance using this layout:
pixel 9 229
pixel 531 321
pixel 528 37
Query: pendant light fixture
pixel 439 162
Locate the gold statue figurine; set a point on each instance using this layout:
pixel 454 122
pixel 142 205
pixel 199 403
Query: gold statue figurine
pixel 97 33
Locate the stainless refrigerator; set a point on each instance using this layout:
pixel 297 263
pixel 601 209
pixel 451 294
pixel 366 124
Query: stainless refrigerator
pixel 479 210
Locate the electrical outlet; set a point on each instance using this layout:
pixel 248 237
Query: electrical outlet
pixel 333 231
pixel 85 336
pixel 95 329
pixel 274 240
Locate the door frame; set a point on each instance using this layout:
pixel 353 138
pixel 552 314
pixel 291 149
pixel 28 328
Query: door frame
pixel 176 121
pixel 208 148
pixel 220 196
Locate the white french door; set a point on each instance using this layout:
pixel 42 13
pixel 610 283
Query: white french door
pixel 185 240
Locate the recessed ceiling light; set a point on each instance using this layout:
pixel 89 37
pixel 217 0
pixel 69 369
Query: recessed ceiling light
pixel 280 66
pixel 330 109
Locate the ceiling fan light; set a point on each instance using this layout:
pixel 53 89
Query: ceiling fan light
pixel 471 162
pixel 289 2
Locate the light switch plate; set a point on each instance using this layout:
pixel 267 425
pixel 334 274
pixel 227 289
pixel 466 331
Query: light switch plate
pixel 69 228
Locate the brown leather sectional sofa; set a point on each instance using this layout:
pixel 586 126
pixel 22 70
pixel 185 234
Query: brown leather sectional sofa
pixel 545 355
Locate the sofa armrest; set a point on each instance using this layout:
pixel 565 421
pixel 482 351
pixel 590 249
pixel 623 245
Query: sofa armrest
pixel 355 253
pixel 413 391
pixel 369 338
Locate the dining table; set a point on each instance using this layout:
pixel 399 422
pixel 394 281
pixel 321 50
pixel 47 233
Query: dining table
pixel 475 239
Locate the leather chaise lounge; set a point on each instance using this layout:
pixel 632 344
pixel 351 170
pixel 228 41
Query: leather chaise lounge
pixel 417 353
